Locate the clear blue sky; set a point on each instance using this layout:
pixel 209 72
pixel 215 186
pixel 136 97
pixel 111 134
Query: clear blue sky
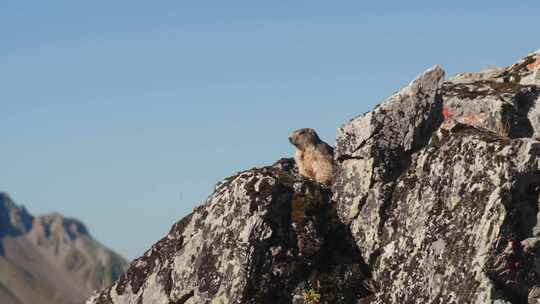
pixel 125 114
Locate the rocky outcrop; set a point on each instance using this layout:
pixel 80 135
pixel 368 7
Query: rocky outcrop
pixel 50 258
pixel 265 235
pixel 501 100
pixel 435 199
pixel 375 148
pixel 440 183
pixel 14 220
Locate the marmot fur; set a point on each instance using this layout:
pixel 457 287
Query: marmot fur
pixel 314 157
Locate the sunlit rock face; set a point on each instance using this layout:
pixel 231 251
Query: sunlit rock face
pixel 439 185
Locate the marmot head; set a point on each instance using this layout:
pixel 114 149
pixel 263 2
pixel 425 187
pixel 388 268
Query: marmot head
pixel 303 138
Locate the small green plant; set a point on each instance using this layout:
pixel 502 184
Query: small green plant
pixel 313 295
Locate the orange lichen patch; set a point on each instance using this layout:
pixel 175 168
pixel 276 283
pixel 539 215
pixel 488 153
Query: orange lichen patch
pixel 535 65
pixel 473 119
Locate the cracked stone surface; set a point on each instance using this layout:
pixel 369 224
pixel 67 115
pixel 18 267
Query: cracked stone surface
pixel 440 187
pixel 374 148
pixel 265 235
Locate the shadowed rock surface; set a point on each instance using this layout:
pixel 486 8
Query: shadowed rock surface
pixel 435 200
pixel 50 259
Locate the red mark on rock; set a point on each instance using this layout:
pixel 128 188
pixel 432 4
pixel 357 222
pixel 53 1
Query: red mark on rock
pixel 446 113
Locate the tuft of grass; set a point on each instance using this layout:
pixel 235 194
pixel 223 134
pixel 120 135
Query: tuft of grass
pixel 502 127
pixel 313 295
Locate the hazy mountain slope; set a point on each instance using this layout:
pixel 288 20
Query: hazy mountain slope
pixel 7 297
pixel 50 259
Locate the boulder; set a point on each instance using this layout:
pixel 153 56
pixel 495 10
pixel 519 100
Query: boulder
pixel 440 187
pixel 265 235
pixel 502 100
pixel 373 150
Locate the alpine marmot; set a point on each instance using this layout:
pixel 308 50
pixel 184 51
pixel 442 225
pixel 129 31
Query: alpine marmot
pixel 314 157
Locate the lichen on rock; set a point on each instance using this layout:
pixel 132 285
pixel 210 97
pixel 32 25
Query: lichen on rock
pixel 450 216
pixel 261 237
pixel 435 199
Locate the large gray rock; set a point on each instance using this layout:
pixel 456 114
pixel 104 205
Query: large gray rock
pixel 439 185
pixel 265 235
pixel 373 149
pixel 457 216
pixel 503 100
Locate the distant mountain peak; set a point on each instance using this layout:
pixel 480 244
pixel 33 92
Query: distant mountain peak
pixel 50 259
pixel 57 223
pixel 14 220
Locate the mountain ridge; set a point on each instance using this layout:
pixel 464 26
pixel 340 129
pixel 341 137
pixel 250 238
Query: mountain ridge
pixel 50 258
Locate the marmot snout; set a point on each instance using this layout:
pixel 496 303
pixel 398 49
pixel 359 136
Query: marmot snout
pixel 314 157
